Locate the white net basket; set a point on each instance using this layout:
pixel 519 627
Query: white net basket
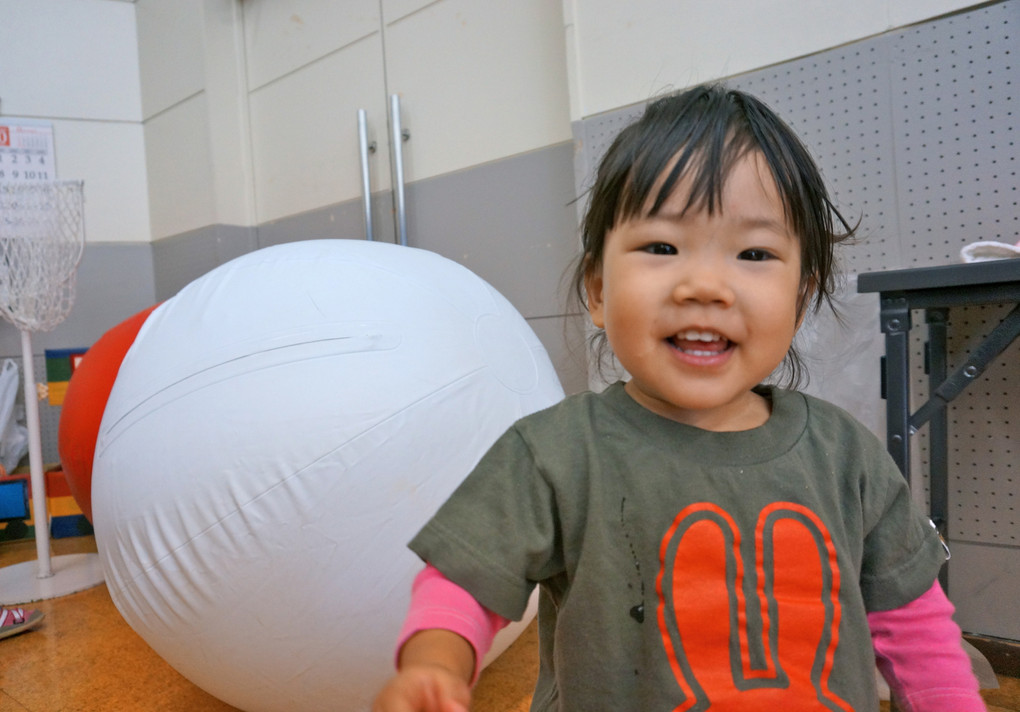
pixel 42 236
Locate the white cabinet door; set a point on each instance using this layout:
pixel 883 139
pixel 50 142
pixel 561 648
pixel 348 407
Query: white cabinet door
pixel 478 80
pixel 311 65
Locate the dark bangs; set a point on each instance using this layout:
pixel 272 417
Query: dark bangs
pixel 701 134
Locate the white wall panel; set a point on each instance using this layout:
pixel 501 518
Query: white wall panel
pixel 69 59
pixel 573 68
pixel 393 10
pixel 478 81
pixel 304 132
pixel 629 52
pixel 226 93
pixel 170 51
pixel 193 52
pixel 181 194
pixel 281 37
pixel 110 158
pixel 908 12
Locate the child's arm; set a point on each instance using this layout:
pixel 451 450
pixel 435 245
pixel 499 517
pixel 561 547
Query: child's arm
pixel 435 669
pixel 438 603
pixel 919 654
pixel 446 631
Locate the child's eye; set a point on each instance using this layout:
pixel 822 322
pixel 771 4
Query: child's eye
pixel 659 248
pixel 756 255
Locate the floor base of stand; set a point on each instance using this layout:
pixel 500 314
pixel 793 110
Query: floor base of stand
pixel 20 583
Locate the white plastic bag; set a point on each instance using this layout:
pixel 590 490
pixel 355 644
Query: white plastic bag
pixel 843 356
pixel 13 435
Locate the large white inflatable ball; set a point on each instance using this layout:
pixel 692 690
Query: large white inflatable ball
pixel 276 434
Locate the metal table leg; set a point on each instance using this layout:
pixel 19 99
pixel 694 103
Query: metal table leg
pixel 895 320
pixel 938 430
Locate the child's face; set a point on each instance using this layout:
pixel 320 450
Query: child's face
pixel 701 308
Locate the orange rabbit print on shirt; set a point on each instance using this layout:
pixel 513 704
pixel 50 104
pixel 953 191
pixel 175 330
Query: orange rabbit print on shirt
pixel 775 653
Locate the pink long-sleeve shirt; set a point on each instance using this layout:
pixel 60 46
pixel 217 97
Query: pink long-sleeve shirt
pixel 917 646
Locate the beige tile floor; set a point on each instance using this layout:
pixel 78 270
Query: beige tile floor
pixel 85 658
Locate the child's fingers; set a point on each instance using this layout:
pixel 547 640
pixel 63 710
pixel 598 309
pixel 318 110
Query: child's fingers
pixel 407 696
pixel 424 690
pixel 454 697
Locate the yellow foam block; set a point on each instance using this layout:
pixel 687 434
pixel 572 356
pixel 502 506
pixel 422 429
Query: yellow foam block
pixel 62 506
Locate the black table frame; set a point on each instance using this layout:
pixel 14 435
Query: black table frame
pixel 936 290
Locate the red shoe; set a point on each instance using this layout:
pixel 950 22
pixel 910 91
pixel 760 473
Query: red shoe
pixel 18 620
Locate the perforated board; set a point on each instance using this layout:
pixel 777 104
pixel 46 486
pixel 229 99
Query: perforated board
pixel 839 104
pixel 984 487
pixel 955 138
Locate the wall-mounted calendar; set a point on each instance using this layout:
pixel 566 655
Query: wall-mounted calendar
pixel 26 150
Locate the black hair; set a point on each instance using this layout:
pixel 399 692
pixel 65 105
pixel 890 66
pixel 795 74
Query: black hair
pixel 700 134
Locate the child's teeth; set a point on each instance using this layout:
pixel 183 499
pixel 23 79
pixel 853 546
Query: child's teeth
pixel 693 335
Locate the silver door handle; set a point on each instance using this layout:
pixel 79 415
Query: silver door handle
pixel 397 138
pixel 366 183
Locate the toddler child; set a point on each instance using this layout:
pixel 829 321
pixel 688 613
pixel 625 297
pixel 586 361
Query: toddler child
pixel 700 540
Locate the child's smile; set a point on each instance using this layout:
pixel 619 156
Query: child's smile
pixel 698 307
pixel 700 344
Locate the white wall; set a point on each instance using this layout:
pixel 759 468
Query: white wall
pixel 623 53
pixel 195 108
pixel 179 115
pixel 481 81
pixel 185 114
pixel 75 63
pixel 250 108
pixel 311 66
pixel 478 81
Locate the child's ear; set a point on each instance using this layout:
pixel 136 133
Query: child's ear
pixel 593 286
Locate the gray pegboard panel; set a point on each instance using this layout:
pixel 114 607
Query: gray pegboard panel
pixel 954 115
pixel 983 463
pixel 839 104
pixel 984 467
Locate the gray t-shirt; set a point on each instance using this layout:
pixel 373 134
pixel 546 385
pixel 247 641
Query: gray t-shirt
pixel 687 569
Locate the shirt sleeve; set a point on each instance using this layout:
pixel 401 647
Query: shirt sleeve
pixel 918 650
pixel 902 549
pixel 498 533
pixel 437 602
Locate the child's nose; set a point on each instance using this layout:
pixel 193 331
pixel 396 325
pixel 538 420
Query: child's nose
pixel 704 283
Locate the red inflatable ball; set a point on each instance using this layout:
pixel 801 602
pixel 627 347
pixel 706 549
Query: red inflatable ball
pixel 85 401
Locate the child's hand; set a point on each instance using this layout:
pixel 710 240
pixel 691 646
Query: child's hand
pixel 424 688
pixel 436 667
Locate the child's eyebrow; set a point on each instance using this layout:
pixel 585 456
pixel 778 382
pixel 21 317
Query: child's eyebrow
pixel 778 226
pixel 749 222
